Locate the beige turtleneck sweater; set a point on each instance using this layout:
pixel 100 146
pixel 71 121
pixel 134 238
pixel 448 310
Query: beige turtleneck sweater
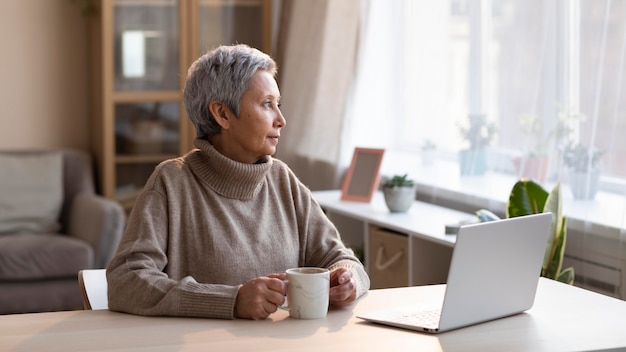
pixel 205 224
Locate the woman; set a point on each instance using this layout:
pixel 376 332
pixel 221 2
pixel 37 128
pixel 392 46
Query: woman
pixel 213 232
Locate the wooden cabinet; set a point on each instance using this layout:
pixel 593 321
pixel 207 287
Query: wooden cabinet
pixel 140 52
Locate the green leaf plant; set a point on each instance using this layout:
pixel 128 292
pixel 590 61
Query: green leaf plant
pixel 399 181
pixel 528 197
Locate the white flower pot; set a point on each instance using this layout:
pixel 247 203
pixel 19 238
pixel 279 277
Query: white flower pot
pixel 428 157
pixel 399 199
pixel 472 162
pixel 584 185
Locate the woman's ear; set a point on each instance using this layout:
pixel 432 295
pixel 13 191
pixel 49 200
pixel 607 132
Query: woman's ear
pixel 221 113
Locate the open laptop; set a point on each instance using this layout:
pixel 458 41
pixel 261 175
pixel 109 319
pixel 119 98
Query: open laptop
pixel 494 273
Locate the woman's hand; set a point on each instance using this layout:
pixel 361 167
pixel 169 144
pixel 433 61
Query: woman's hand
pixel 260 297
pixel 342 287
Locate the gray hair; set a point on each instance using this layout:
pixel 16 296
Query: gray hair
pixel 222 75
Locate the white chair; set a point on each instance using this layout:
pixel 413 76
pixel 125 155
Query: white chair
pixel 93 285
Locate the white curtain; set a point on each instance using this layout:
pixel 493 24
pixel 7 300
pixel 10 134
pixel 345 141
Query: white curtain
pixel 377 96
pixel 341 78
pixel 317 55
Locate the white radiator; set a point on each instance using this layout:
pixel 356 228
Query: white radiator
pixel 596 277
pixel 599 262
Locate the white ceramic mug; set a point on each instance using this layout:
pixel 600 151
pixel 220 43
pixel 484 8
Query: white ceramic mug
pixel 307 292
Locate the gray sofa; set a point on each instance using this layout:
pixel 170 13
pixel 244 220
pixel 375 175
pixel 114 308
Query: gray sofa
pixel 40 257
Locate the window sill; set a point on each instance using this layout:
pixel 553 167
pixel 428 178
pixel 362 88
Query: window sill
pixel 441 183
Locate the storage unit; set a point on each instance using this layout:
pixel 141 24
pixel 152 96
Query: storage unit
pixel 140 52
pixel 419 234
pixel 389 258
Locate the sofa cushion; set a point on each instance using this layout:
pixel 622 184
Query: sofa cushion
pixel 31 192
pixel 33 256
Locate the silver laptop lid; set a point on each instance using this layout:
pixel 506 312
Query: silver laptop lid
pixel 495 269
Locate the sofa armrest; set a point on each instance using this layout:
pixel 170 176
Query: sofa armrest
pixel 98 221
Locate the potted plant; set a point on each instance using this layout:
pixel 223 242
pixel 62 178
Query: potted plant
pixel 399 192
pixel 540 140
pixel 582 164
pixel 478 134
pixel 535 159
pixel 528 197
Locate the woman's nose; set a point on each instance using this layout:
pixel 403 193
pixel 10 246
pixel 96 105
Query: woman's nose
pixel 281 119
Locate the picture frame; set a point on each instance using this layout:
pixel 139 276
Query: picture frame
pixel 363 176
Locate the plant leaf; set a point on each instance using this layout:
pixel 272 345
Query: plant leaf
pixel 554 204
pixel 556 241
pixel 527 197
pixel 553 260
pixel 485 215
pixel 566 276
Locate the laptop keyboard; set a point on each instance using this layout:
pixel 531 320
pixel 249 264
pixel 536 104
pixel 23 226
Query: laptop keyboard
pixel 426 318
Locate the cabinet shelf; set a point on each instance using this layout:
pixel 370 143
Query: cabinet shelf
pixel 160 96
pixel 143 159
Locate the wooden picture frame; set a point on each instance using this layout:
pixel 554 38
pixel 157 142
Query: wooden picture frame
pixel 362 177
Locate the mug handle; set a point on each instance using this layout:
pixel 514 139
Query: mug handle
pixel 285 305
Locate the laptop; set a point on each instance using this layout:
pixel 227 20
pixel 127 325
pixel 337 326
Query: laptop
pixel 494 273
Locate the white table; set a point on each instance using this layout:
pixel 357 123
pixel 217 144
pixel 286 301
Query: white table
pixel 429 247
pixel 564 318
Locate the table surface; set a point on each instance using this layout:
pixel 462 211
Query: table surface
pixel 423 220
pixel 564 318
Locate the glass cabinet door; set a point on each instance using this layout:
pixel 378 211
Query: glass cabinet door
pixel 146 47
pixel 232 22
pixel 147 128
pixel 146 84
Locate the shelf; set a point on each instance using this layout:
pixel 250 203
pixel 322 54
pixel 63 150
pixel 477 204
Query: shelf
pixel 143 159
pixel 156 96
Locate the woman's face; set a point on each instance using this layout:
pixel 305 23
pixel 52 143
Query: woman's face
pixel 255 133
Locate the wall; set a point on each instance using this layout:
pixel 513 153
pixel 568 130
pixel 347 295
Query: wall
pixel 43 70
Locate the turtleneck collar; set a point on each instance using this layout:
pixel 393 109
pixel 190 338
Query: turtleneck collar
pixel 225 176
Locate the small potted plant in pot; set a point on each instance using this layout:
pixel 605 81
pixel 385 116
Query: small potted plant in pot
pixel 535 160
pixel 479 134
pixel 583 170
pixel 540 138
pixel 399 193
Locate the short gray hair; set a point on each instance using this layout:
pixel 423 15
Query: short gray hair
pixel 222 75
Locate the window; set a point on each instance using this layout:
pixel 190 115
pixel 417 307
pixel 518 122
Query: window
pixel 557 66
pixel 548 74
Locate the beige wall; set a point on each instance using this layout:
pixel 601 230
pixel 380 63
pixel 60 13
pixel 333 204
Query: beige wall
pixel 43 75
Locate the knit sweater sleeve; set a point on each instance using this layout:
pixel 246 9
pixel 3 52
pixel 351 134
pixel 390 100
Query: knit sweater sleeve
pixel 359 275
pixel 137 282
